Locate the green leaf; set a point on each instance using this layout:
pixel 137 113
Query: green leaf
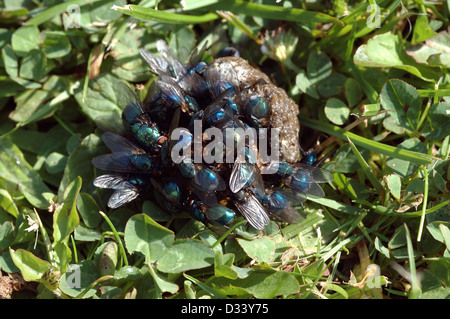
pixel 6 262
pixel 380 247
pixel 318 67
pixel 445 231
pixel 221 269
pixel 371 109
pixel 42 111
pixel 31 267
pixel 332 85
pixel 155 211
pixel 62 255
pixel 403 103
pixel 10 61
pixel 100 99
pixel 260 249
pixel 435 283
pixel 434 52
pixel 186 254
pixel 128 64
pixel 336 288
pixel 189 291
pixel 262 285
pixel 163 284
pixel 353 92
pixel 337 111
pixel 435 230
pixel 25 39
pixel 144 235
pixel 6 235
pixel 438 125
pixel 385 50
pixel 106 257
pixel 55 162
pixel 56 44
pixel 79 162
pixel 33 65
pixel 422 30
pixel 28 104
pixel 405 168
pixel 7 203
pixel 182 42
pixel 398 239
pixel 78 278
pixel 393 182
pixel 88 210
pixel 305 85
pixel 65 218
pixel 14 168
pixel 83 233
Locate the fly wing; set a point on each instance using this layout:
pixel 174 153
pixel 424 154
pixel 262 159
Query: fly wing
pixel 209 199
pixel 126 96
pixel 111 123
pixel 115 162
pixel 319 175
pixel 157 64
pixel 119 144
pixel 123 196
pixel 221 77
pixel 172 90
pixel 290 215
pixel 110 181
pixel 315 190
pixel 253 212
pixel 242 174
pixel 197 53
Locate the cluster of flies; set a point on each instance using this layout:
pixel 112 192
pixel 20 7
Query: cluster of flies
pixel 212 193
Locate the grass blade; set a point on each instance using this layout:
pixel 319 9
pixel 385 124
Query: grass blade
pixel 116 234
pixel 424 204
pixel 434 93
pixel 333 204
pixel 162 16
pixel 415 291
pixel 92 285
pixel 231 18
pixel 51 12
pixel 206 288
pixel 274 12
pixel 395 152
pixel 365 167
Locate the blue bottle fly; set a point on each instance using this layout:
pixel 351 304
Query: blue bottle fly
pixel 126 157
pixel 223 94
pixel 209 181
pixel 258 109
pixel 146 133
pixel 216 214
pixel 168 196
pixel 126 187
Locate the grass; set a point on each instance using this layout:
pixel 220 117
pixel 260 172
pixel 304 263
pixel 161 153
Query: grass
pixel 371 80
